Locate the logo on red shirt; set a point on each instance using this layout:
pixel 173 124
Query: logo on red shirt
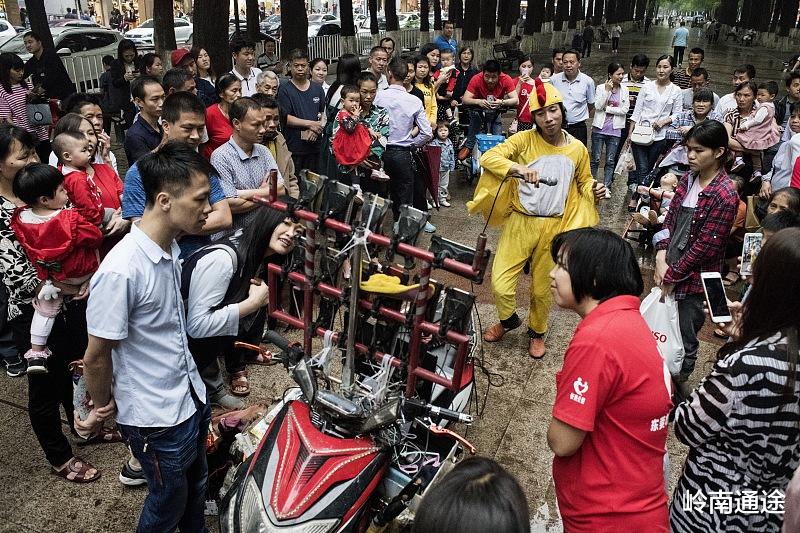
pixel 580 388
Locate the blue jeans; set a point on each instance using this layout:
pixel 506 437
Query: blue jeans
pixel 645 158
pixel 477 118
pixel 611 143
pixel 174 463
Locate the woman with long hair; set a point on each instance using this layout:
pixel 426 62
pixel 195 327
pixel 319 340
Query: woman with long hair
pixel 14 92
pixel 741 423
pixel 318 72
pixel 124 69
pixel 695 233
pixel 47 393
pixel 205 79
pixel 218 125
pixel 611 107
pixel 225 295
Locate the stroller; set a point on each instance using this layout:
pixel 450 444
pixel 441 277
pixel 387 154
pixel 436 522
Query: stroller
pixel 643 233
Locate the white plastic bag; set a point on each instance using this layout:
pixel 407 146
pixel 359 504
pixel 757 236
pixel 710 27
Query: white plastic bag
pixel 661 316
pixel 625 163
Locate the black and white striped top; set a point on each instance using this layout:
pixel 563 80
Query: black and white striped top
pixel 742 426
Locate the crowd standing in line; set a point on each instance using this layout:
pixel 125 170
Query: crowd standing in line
pixel 97 266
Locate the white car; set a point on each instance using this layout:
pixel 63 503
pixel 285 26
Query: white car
pixel 81 50
pixel 142 35
pixel 7 31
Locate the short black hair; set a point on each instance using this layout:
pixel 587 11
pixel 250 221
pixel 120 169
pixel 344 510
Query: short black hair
pixel 181 102
pixel 240 107
pixel 698 50
pixel 601 264
pixel 36 180
pixel 558 50
pixel 32 34
pixel 700 71
pixel 398 67
pixel 775 222
pixel 175 78
pixel 791 76
pixel 703 94
pixel 366 76
pixel 237 45
pixel 349 89
pixel 573 52
pixel 746 68
pixel 386 39
pixel 492 65
pixel 446 22
pixel 63 140
pixel 377 49
pixel 770 86
pixel 477 495
pixel 640 60
pixel 107 59
pixel 448 51
pixel 74 102
pixel 170 168
pixel 138 85
pixel 265 101
pixel 299 53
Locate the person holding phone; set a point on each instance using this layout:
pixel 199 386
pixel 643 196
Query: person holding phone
pixel 524 87
pixel 740 423
pixel 694 235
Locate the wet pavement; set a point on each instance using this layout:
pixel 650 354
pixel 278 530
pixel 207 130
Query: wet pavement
pixel 514 419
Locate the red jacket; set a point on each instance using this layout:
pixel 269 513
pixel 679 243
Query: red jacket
pixel 67 242
pixel 85 196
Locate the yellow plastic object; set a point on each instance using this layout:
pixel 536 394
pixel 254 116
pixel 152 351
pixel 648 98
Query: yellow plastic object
pixel 385 284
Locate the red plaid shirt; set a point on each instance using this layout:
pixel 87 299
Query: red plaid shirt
pixel 708 235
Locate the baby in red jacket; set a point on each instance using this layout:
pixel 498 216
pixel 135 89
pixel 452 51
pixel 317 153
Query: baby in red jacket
pixel 60 243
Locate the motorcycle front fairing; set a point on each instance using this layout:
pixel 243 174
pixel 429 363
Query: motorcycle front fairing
pixel 301 480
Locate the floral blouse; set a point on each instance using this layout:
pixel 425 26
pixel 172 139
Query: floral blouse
pixel 18 273
pixel 377 120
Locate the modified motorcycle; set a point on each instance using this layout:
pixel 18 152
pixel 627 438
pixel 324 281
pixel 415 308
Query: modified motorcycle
pixel 365 431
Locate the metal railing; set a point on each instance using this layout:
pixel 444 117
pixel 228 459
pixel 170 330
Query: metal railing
pixel 85 71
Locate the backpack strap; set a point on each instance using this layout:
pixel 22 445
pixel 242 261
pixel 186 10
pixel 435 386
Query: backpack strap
pixel 190 263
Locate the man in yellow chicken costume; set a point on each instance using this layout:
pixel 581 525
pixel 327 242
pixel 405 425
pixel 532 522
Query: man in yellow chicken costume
pixel 532 212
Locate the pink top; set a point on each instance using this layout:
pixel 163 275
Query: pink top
pixel 13 108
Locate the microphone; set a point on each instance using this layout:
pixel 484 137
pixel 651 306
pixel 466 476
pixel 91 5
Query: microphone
pixel 544 180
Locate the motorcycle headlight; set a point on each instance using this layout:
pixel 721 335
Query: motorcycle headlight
pixel 253 516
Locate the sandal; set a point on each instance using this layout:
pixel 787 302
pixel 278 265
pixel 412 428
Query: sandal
pixel 731 278
pixel 239 383
pixel 106 436
pixel 76 471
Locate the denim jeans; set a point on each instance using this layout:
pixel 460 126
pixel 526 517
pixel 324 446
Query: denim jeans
pixel 174 463
pixel 645 158
pixel 599 140
pixel 477 118
pixel 691 319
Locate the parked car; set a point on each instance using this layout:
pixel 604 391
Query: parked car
pixel 328 28
pixel 81 48
pixel 272 26
pixel 699 20
pixel 6 31
pixel 364 31
pixel 58 23
pixel 142 35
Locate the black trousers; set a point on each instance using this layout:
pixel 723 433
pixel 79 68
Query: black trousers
pixel 578 130
pixel 306 161
pixel 48 393
pixel 399 165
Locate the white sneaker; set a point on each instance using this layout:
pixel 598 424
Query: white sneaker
pixel 608 194
pixel 443 202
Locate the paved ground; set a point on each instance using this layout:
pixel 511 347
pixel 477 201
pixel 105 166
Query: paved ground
pixel 514 422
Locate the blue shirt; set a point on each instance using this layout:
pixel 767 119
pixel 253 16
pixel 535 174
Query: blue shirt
pixel 133 202
pixel 140 139
pixel 135 298
pixel 442 43
pixel 405 111
pixel 306 105
pixel 680 36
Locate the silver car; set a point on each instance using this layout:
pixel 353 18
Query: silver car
pixel 142 35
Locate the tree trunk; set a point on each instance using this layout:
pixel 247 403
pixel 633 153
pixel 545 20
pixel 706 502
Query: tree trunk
pixel 549 10
pixel 472 18
pixel 211 32
pixel 598 11
pixel 611 11
pixel 534 17
pixel 589 13
pixel 164 29
pixel 574 14
pixel 488 19
pixel 562 14
pixel 437 15
pixel 38 20
pixel 788 17
pixel 294 31
pixel 455 12
pixel 727 12
pixel 776 13
pixel 514 10
pixel 390 11
pixel 424 9
pixel 502 13
pixel 253 29
pixel 373 16
pixel 346 16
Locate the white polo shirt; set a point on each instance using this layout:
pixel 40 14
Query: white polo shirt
pixel 248 82
pixel 135 298
pixel 577 94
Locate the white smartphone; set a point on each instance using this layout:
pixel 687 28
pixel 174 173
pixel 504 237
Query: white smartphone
pixel 715 297
pixel 750 249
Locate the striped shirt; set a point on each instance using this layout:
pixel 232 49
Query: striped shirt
pixel 633 91
pixel 14 109
pixel 741 426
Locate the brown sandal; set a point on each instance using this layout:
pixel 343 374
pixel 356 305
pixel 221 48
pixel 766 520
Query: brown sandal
pixel 106 436
pixel 77 468
pixel 239 383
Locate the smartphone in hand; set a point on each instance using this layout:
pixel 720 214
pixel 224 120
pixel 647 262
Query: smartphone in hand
pixel 751 246
pixel 715 297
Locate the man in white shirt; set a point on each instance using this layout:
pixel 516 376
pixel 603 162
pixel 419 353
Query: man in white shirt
pixel 578 91
pixel 244 57
pixel 378 59
pixel 742 74
pixel 137 340
pixel 697 81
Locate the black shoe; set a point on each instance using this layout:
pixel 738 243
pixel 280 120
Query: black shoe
pixel 15 367
pixel 130 477
pixel 37 365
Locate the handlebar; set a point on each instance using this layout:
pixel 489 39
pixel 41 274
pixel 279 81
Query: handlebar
pixel 277 339
pixel 440 412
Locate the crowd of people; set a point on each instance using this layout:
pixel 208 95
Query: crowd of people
pixel 96 264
